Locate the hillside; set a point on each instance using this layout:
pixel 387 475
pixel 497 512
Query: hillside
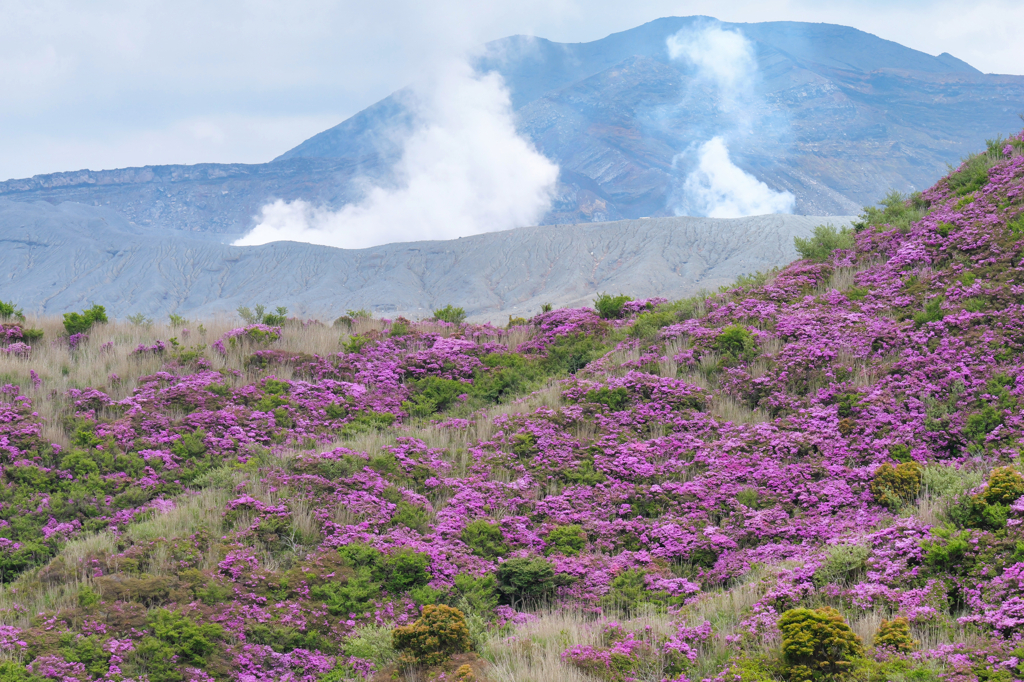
pixel 832 114
pixel 66 257
pixel 813 474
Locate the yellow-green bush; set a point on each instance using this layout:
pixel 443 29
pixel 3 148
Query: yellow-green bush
pixel 894 486
pixel 894 635
pixel 817 645
pixel 437 635
pixel 1005 485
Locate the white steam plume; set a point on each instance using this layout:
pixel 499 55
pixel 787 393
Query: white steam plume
pixel 464 170
pixel 715 186
pixel 718 188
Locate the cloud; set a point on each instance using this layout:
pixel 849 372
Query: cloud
pixel 717 188
pixel 724 63
pixel 464 170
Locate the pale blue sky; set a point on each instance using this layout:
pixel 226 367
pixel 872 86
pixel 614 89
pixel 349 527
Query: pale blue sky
pixel 113 83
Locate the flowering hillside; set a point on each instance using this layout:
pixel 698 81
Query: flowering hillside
pixel 813 475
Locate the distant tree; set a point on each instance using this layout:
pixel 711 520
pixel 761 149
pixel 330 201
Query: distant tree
pixel 450 314
pixel 80 323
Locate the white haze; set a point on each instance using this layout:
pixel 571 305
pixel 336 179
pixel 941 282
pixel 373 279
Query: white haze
pixel 464 170
pixel 725 61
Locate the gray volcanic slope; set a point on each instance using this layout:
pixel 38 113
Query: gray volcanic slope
pixel 65 257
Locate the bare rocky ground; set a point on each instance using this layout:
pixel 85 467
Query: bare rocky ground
pixel 64 257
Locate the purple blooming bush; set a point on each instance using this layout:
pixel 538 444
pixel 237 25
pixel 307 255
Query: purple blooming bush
pixel 814 474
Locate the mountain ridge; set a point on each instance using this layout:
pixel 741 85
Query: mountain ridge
pixel 853 115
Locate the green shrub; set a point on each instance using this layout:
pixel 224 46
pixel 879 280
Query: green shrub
pixel 505 375
pixel 436 636
pixel 932 312
pixel 353 596
pixel 972 511
pixel 572 352
pixel 192 642
pixel 615 399
pixel 433 394
pixel 80 323
pixel 1005 486
pixel 87 597
pixel 259 315
pixel 845 563
pixel 979 424
pixel 485 539
pixel 895 636
pixel 568 540
pixel 895 486
pixel 522 580
pixel 900 452
pixel 736 340
pixel 817 645
pixel 826 239
pixel 628 592
pixel 945 548
pixel 365 422
pixel 610 307
pixel 14 671
pixel 896 210
pixel 404 570
pixel 450 314
pixel 10 311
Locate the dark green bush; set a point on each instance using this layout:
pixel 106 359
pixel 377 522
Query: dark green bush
pixel 932 312
pixel 946 548
pixel 573 352
pixel 568 540
pixel 895 486
pixel 522 580
pixel 80 323
pixel 192 643
pixel 485 539
pixel 433 394
pixel 610 307
pixel 404 570
pixel 353 596
pixel 615 399
pixel 981 423
pixel 450 314
pixel 505 375
pixel 826 239
pixel 817 645
pixel 436 636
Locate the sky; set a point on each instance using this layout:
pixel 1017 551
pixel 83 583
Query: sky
pixel 105 84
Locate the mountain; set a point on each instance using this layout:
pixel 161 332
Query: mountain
pixel 837 117
pixel 66 257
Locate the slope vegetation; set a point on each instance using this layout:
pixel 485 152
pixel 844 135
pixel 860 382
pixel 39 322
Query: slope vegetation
pixel 813 474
